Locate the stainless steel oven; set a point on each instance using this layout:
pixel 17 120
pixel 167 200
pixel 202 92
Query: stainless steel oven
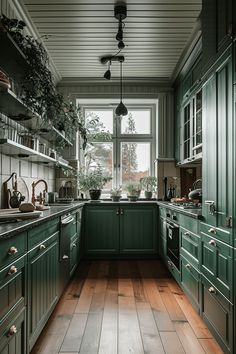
pixel 172 233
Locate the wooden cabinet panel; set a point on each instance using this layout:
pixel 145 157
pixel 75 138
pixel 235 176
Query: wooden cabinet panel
pixel 42 288
pixel 10 342
pixel 12 248
pixel 217 313
pixel 102 230
pixel 12 286
pixel 217 264
pixel 138 229
pixel 190 282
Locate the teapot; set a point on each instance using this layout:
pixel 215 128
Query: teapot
pixel 16 199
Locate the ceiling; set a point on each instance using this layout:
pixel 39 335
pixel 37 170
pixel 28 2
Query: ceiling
pixel 78 32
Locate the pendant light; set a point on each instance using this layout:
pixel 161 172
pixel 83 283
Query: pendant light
pixel 121 109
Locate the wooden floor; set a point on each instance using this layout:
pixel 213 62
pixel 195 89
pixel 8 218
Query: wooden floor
pixel 124 307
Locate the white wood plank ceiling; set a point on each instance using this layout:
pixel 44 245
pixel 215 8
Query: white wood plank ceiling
pixel 78 32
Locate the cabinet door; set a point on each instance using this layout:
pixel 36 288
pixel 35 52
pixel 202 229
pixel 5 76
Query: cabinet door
pixel 13 334
pixel 218 146
pixel 42 288
pixel 217 265
pixel 101 230
pixel 190 282
pixel 138 229
pixel 217 313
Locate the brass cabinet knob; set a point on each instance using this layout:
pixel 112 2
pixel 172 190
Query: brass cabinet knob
pixel 12 270
pixel 212 290
pixel 212 230
pixel 12 331
pixel 12 250
pixel 188 266
pixel 212 243
pixel 187 233
pixel 42 247
pixel 65 256
pixel 74 245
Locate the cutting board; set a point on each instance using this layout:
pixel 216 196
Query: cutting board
pixel 10 214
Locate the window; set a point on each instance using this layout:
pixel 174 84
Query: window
pixel 130 153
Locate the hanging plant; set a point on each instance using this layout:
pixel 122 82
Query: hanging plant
pixel 39 88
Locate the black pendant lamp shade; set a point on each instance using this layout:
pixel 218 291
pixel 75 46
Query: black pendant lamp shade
pixel 121 109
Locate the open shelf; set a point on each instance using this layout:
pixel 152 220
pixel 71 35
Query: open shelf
pixel 11 148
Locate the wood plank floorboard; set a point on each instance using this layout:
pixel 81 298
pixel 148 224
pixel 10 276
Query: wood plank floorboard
pixel 124 307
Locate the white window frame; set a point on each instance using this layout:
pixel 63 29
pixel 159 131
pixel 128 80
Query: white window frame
pixel 118 137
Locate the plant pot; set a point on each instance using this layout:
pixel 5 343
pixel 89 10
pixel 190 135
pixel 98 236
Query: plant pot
pixel 116 198
pixel 95 194
pixel 132 198
pixel 148 195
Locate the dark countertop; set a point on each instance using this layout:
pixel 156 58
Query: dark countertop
pixel 11 228
pixel 194 213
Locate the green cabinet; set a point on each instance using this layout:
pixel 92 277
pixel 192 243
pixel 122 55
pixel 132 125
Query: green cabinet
pixel 120 229
pixel 217 264
pixel 101 229
pixel 13 333
pixel 138 229
pixel 217 312
pixel 218 146
pixel 190 282
pixel 218 28
pixel 42 284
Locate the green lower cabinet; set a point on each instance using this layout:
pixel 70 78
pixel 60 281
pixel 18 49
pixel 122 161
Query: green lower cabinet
pixel 101 230
pixel 138 230
pixel 13 334
pixel 74 254
pixel 190 282
pixel 42 285
pixel 217 312
pixel 217 264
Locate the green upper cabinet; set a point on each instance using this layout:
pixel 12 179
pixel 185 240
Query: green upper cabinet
pixel 218 145
pixel 138 229
pixel 218 28
pixel 101 229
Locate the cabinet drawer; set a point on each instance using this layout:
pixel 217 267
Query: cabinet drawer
pixel 217 313
pixel 12 248
pixel 190 281
pixel 40 233
pixel 174 271
pixel 222 235
pixel 43 246
pixel 190 246
pixel 12 286
pixel 217 264
pixel 13 334
pixel 189 223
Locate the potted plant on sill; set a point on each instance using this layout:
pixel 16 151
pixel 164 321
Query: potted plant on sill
pixel 115 194
pixel 149 185
pixel 93 182
pixel 134 190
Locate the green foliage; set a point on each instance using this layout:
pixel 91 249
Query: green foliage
pixel 116 192
pixel 149 183
pixel 129 155
pixel 94 179
pixel 133 189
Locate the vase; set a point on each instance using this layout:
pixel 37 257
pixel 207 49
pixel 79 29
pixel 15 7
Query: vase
pixel 95 194
pixel 148 195
pixel 132 198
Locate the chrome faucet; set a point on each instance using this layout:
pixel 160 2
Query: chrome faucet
pixel 41 198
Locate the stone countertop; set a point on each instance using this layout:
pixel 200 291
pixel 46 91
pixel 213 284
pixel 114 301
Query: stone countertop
pixel 194 213
pixel 11 228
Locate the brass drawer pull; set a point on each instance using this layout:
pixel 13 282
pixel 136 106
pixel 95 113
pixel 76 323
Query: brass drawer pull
pixel 65 256
pixel 117 211
pixel 12 270
pixel 12 331
pixel 74 245
pixel 121 212
pixel 12 250
pixel 212 230
pixel 212 290
pixel 42 247
pixel 212 243
pixel 187 233
pixel 188 266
